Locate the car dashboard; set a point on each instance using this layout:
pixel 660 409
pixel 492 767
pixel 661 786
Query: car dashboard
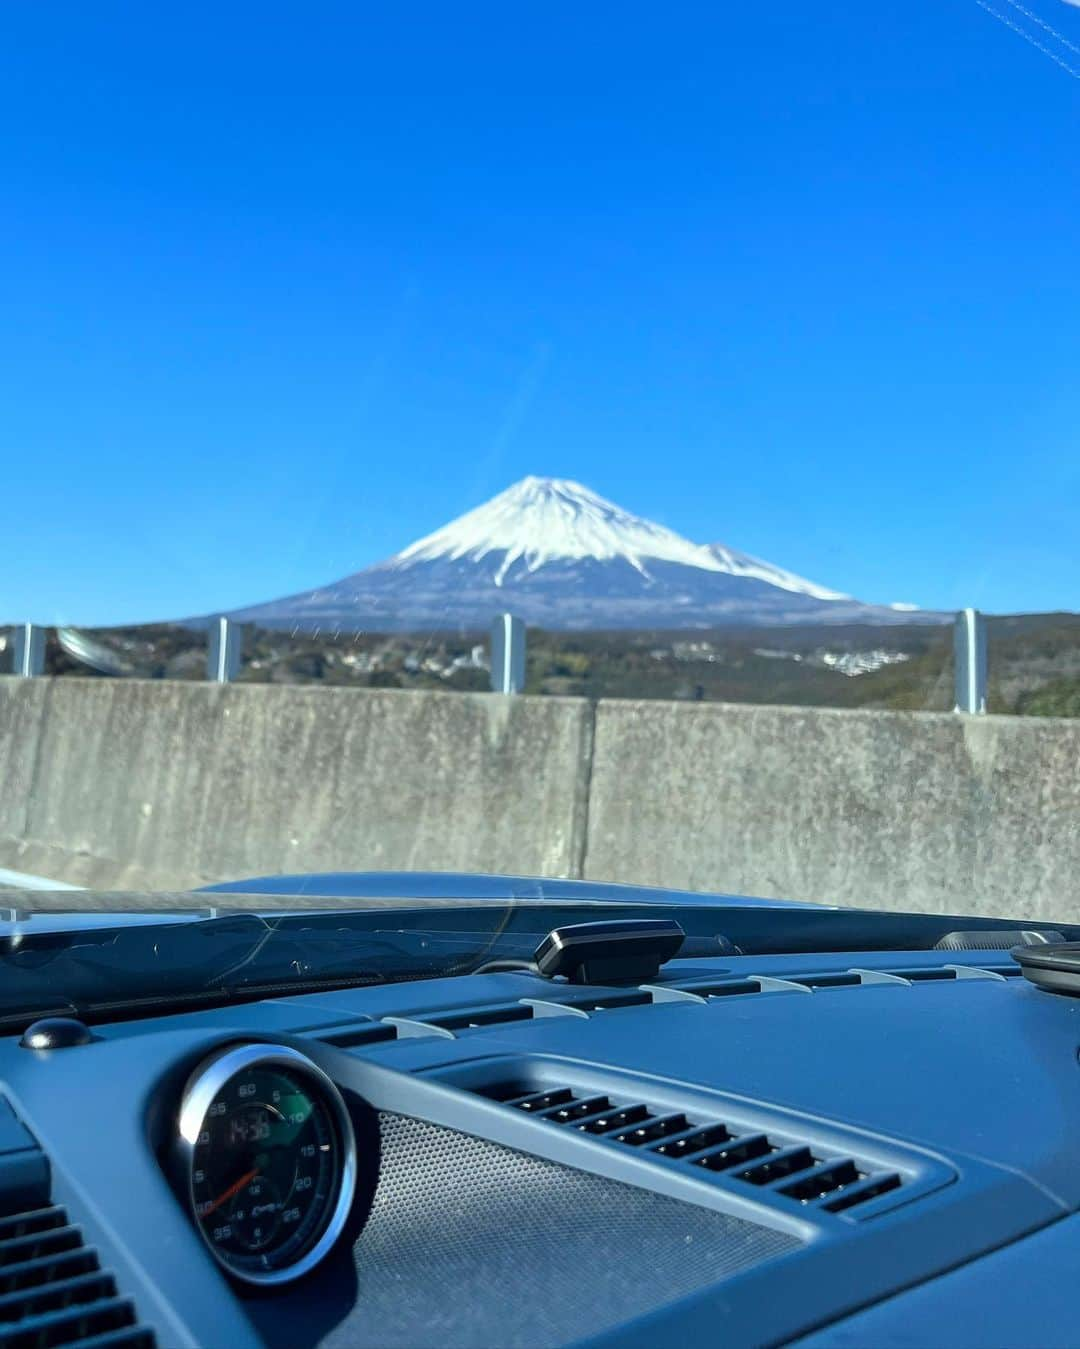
pixel 831 1149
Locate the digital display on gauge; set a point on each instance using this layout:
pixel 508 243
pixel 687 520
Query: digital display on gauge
pixel 266 1167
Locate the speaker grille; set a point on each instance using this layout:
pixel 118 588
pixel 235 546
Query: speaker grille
pixel 470 1243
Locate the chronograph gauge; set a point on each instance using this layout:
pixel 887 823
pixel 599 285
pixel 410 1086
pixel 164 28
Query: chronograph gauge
pixel 269 1161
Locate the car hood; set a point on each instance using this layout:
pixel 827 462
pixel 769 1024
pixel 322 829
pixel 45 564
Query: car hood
pixel 476 888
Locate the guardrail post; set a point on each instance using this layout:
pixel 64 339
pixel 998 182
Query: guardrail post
pixel 224 651
pixel 507 654
pixel 28 649
pixel 969 658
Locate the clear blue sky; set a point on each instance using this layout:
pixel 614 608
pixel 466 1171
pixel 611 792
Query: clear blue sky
pixel 285 286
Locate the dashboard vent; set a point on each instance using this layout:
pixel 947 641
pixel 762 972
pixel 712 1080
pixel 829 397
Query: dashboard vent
pixel 572 1001
pixel 472 1018
pixel 53 1290
pixel 734 986
pixel 567 1003
pixel 455 1021
pixel 797 1173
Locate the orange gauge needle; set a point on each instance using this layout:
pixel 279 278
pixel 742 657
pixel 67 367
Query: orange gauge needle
pixel 233 1189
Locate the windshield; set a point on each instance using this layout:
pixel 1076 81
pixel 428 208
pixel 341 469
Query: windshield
pixel 605 446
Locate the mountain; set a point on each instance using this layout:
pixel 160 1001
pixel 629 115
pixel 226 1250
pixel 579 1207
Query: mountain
pixel 560 556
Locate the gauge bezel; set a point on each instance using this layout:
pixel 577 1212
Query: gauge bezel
pixel 203 1087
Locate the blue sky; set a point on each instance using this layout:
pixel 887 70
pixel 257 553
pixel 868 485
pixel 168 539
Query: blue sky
pixel 285 286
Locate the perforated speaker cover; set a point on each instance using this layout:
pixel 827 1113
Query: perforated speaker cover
pixel 473 1244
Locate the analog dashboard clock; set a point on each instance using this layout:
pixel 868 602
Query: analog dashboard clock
pixel 268 1161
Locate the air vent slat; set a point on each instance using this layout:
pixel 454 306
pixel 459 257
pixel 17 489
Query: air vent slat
pixel 550 1007
pixel 70 1326
pixel 694 1142
pixel 592 1003
pixel 16 1250
pixel 654 1129
pixel 863 1192
pixel 609 1121
pixel 823 1181
pixel 724 988
pixel 475 1017
pixel 924 974
pixel 829 979
pixel 880 977
pixel 53 1291
pixel 574 1111
pixel 32 1273
pixel 36 1220
pixel 785 1162
pixel 731 1154
pixel 373 1033
pixel 88 1287
pixel 130 1337
pixel 977 972
pixel 538 1101
pixel 668 993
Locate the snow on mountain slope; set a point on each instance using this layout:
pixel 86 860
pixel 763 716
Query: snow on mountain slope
pixel 742 564
pixel 539 520
pixel 560 556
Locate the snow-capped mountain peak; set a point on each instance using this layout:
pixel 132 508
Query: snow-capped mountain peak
pixel 542 520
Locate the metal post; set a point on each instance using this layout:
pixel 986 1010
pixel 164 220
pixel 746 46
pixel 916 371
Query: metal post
pixel 223 655
pixel 507 654
pixel 969 658
pixel 28 649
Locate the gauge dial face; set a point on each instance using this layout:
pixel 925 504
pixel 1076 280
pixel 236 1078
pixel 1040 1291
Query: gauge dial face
pixel 269 1159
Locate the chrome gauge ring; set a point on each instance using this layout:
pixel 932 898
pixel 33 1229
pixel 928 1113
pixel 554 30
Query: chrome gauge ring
pixel 269 1161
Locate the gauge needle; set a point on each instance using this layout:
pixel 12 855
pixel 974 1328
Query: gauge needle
pixel 237 1185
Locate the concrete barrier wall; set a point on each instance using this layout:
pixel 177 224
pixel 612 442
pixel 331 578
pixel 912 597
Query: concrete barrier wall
pixel 163 785
pixel 22 702
pixel 891 810
pixel 172 784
